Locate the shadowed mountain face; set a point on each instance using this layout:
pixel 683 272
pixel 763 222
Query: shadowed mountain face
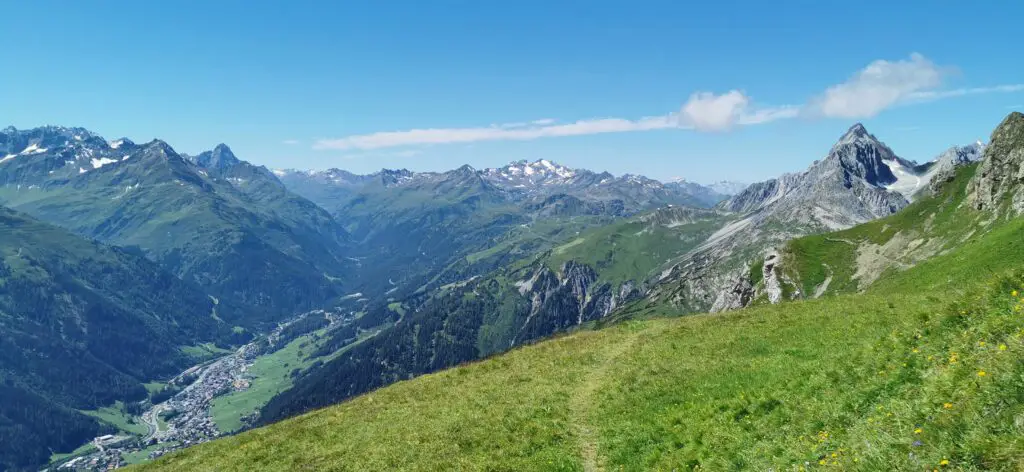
pixel 83 325
pixel 213 220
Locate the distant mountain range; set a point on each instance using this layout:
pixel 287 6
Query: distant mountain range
pixel 522 181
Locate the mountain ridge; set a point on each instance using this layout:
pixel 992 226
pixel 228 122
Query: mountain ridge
pixel 200 223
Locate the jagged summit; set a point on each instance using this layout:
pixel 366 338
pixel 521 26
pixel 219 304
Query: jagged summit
pixel 122 142
pixel 219 158
pixel 857 130
pixel 161 147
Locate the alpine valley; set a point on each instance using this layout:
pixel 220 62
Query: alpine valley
pixel 527 317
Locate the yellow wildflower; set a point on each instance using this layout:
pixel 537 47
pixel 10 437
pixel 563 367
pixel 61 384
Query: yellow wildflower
pixel 915 350
pixel 822 462
pixel 944 462
pixel 1013 293
pixel 981 343
pixel 918 430
pixel 981 373
pixel 947 405
pixel 1002 347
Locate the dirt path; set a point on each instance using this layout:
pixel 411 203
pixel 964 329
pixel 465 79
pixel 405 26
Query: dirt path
pixel 582 404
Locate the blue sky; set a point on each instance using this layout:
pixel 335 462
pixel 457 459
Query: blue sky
pixel 701 90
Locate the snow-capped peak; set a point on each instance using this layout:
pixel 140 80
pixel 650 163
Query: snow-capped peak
pixel 116 144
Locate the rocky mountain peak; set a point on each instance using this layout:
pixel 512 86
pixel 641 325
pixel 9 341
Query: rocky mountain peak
pixel 858 153
pixel 161 149
pixel 856 131
pixel 395 176
pixel 121 143
pixel 219 158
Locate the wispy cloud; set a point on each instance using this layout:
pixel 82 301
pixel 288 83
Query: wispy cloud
pixel 880 85
pixel 494 133
pixel 290 142
pixel 940 94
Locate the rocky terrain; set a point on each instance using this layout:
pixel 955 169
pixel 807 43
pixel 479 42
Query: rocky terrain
pixel 1000 175
pixel 861 179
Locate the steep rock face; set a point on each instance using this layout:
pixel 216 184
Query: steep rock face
pixel 851 185
pixel 565 299
pixel 999 182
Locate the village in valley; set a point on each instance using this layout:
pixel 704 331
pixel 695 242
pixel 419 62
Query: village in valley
pixel 185 418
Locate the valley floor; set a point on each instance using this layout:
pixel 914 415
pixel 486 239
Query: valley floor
pixel 864 382
pixel 221 396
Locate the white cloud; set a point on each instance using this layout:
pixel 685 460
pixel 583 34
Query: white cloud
pixel 512 131
pixel 878 86
pixel 706 111
pixel 290 142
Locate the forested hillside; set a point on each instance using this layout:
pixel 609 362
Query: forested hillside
pixel 83 325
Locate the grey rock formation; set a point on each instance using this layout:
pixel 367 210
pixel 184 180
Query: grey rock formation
pixel 860 179
pixel 998 184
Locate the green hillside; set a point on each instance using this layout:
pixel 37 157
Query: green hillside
pixel 921 371
pixel 82 325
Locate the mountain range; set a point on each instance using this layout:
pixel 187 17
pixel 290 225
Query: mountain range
pixel 429 269
pixel 904 353
pixel 214 220
pixel 691 259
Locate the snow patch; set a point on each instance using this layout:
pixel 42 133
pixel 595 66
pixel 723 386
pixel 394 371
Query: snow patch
pixel 116 144
pixel 81 170
pixel 32 149
pixel 8 157
pixel 907 181
pixel 97 163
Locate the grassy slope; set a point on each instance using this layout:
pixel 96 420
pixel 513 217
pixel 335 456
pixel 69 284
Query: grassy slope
pixel 934 224
pixel 116 417
pixel 632 250
pixel 888 379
